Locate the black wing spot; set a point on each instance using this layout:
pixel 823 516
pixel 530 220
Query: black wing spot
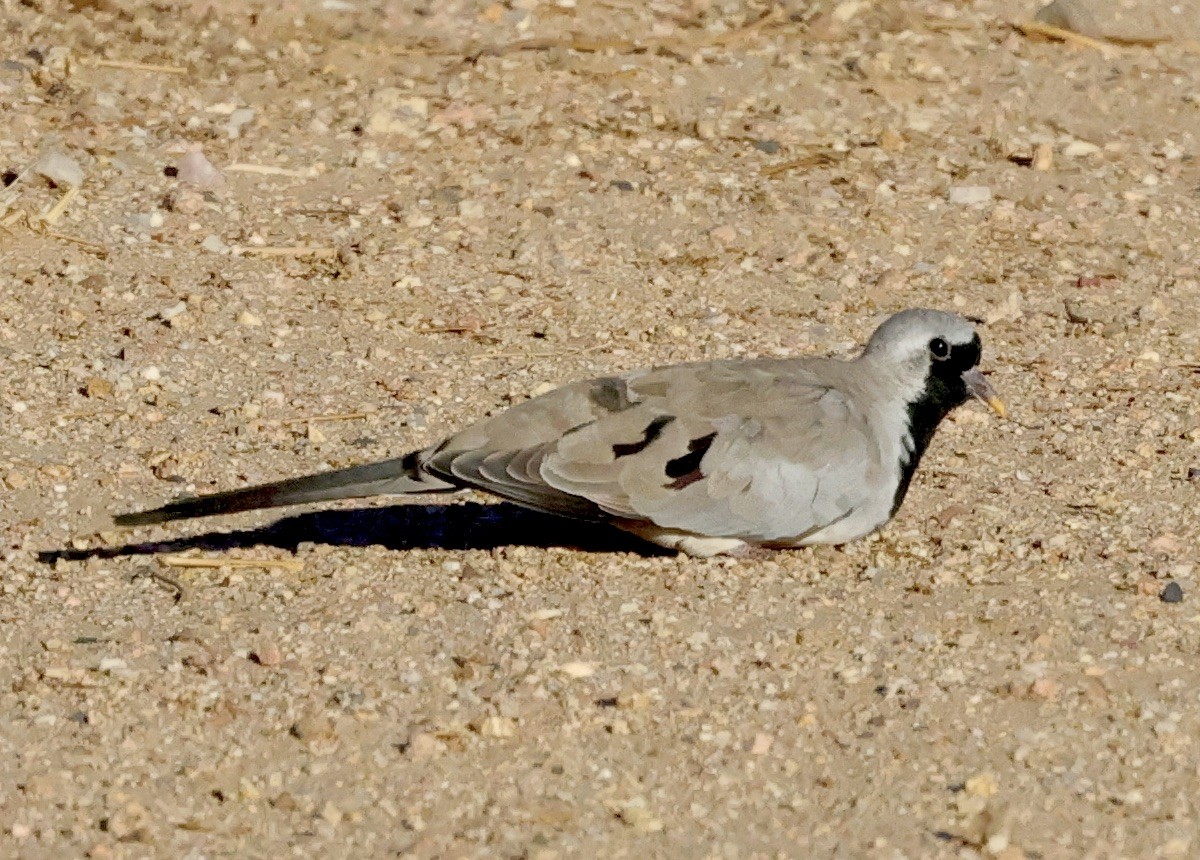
pixel 686 469
pixel 653 430
pixel 611 394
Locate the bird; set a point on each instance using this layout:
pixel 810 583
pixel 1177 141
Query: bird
pixel 723 457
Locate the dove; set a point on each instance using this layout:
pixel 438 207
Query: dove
pixel 704 458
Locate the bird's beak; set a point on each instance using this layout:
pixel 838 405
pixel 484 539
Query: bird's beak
pixel 980 388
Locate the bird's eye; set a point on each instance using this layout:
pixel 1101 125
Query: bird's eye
pixel 939 349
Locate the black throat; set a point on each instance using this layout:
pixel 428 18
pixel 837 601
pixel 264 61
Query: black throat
pixel 944 390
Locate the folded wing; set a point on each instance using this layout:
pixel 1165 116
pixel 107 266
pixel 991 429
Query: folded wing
pixel 761 451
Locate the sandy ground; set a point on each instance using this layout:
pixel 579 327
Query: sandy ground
pixel 416 226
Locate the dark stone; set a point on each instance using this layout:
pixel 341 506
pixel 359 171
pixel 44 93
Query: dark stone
pixel 1171 593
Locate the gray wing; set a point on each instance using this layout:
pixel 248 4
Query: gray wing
pixel 764 450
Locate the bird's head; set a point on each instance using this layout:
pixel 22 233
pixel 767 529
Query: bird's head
pixel 936 355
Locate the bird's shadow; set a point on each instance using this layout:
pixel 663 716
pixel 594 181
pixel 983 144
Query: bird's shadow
pixel 398 527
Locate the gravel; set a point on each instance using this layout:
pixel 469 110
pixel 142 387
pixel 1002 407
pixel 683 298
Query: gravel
pixel 421 221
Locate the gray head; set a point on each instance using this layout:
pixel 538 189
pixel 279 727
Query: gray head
pixel 936 355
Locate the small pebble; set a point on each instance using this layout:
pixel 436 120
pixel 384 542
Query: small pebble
pixel 98 387
pixel 471 209
pixel 313 727
pixel 422 745
pixel 195 169
pixel 267 654
pixel 498 727
pixel 237 119
pixel 60 169
pixel 1080 148
pixel 173 311
pixel 1073 15
pixel 1172 593
pixel 969 195
pixel 1043 157
pixel 577 670
pixel 214 244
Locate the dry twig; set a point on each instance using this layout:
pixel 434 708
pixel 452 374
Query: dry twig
pixel 1049 31
pixel 132 66
pixel 216 563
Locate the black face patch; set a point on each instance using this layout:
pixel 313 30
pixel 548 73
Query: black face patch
pixel 653 430
pixel 944 390
pixel 686 469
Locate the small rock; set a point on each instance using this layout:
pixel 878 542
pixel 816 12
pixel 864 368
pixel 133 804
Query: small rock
pixel 892 280
pixel 969 195
pixel 151 374
pixel 331 813
pixel 1172 593
pixel 1072 15
pixel 423 745
pixel 498 727
pixel 1044 688
pixel 214 245
pixel 770 147
pixel 313 727
pixel 636 815
pixel 248 319
pixel 1166 545
pixel 1079 149
pixel 237 119
pixel 577 670
pixel 1043 157
pixel 1148 586
pixel 982 785
pixel 397 113
pixel 1193 473
pixel 724 235
pixel 98 387
pixel 62 170
pixel 706 128
pixel 891 140
pixel 1175 848
pixel 168 314
pixel 195 169
pixel 471 210
pixel 267 654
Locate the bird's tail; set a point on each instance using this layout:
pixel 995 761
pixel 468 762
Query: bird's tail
pixel 402 475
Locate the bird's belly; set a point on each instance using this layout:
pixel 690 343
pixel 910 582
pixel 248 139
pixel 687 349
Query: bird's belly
pixel 857 523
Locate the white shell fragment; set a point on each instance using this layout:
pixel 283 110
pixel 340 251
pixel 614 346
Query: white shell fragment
pixel 195 169
pixel 60 169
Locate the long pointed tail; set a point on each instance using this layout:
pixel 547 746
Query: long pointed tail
pixel 402 475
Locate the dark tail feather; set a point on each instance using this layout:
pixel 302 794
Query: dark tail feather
pixel 402 475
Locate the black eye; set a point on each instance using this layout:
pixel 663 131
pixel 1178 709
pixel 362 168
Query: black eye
pixel 939 349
